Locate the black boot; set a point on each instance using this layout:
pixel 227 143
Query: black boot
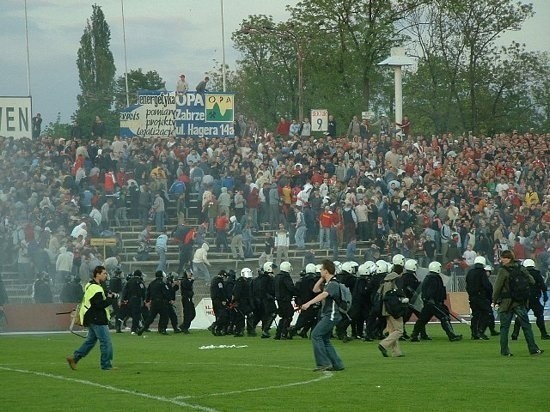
pixel 515 332
pixel 448 328
pixel 415 333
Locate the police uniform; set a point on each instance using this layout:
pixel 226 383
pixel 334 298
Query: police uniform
pixel 133 295
pixel 479 295
pixel 284 291
pixel 219 305
pixel 434 294
pixel 537 290
pixel 242 306
pixel 187 293
pixel 263 293
pixel 307 318
pixel 158 294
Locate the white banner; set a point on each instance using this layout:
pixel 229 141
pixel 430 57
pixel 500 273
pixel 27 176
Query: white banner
pixel 319 120
pixel 16 116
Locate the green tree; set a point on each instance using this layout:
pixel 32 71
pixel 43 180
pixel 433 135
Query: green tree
pixel 136 80
pixel 460 61
pixel 57 129
pixel 96 70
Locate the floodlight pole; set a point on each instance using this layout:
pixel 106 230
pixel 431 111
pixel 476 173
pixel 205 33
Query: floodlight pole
pixel 396 61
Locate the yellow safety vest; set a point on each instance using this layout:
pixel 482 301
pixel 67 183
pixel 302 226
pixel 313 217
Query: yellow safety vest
pixel 89 292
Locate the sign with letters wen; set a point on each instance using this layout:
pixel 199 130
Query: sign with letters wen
pixel 16 117
pixel 192 114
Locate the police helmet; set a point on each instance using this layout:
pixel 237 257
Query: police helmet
pixel 363 270
pixel 268 267
pixel 286 267
pixel 435 267
pixel 310 268
pixel 246 273
pixel 318 268
pixel 528 263
pixel 480 260
pixel 138 273
pixel 337 267
pixel 411 265
pixel 381 266
pixel 398 260
pixel 371 267
pixel 347 267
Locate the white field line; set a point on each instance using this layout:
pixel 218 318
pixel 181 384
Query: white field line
pixel 324 375
pixel 111 388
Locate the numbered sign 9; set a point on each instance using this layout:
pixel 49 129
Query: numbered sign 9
pixel 319 120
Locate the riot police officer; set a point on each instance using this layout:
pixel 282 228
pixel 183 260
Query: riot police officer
pixel 173 287
pixel 375 321
pixel 263 293
pixel 158 297
pixel 285 290
pixel 133 295
pixel 537 290
pixel 307 317
pixel 242 303
pixel 479 295
pixel 409 283
pixel 219 304
pixel 187 294
pixel 433 296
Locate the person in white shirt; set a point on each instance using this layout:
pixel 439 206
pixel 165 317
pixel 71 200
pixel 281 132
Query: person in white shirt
pixel 201 263
pixel 469 255
pixel 282 242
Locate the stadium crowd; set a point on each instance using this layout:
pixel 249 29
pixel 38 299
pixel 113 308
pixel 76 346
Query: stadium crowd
pixel 447 198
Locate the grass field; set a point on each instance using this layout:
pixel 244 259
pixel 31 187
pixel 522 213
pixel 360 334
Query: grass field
pixel 173 373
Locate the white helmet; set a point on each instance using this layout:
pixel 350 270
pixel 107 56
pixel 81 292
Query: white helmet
pixel 371 267
pixel 347 267
pixel 311 268
pixel 286 267
pixel 411 265
pixel 488 268
pixel 399 260
pixel 246 273
pixel 363 270
pixel 480 260
pixel 381 266
pixel 528 263
pixel 337 267
pixel 268 267
pixel 318 268
pixel 354 267
pixel 435 267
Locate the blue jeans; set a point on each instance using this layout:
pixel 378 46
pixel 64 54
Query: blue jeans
pixel 95 333
pixel 300 237
pixel 324 352
pixel 506 320
pixel 159 221
pixel 162 259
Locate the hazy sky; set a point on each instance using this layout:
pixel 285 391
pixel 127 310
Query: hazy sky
pixel 169 36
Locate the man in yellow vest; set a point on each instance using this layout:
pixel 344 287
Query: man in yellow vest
pixel 94 314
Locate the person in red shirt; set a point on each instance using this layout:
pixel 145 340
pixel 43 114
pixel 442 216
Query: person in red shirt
pixel 325 223
pixel 283 127
pixel 221 224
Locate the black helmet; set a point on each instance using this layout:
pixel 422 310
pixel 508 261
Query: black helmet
pixel 138 273
pixel 159 273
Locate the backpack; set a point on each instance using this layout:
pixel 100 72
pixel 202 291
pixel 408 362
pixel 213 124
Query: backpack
pixel 393 299
pixel 344 300
pixel 519 287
